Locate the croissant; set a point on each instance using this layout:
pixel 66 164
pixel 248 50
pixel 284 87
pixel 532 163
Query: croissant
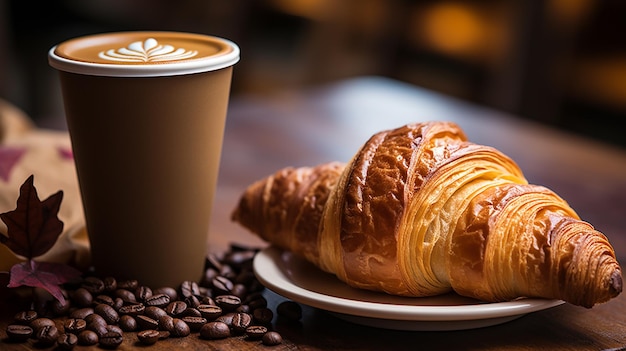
pixel 421 211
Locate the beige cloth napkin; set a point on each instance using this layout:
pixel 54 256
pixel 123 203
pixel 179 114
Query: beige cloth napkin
pixel 27 150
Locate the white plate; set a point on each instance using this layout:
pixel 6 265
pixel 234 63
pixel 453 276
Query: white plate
pixel 300 281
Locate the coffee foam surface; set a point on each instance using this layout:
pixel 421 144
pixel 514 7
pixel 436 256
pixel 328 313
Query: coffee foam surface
pixel 143 54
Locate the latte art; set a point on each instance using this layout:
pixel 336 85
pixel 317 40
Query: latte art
pixel 147 51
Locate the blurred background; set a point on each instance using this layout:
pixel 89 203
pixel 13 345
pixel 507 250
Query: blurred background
pixel 558 62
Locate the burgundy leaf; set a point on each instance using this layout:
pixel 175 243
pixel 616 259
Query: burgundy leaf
pixel 43 275
pixel 33 227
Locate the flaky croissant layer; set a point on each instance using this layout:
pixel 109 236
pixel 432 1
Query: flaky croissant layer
pixel 421 211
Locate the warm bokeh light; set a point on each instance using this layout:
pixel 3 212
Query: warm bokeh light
pixel 456 29
pixel 602 79
pixel 312 9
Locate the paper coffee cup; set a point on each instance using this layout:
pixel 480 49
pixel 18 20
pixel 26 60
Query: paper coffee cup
pixel 146 114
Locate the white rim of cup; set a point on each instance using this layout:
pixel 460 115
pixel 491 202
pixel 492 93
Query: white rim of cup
pixel 212 63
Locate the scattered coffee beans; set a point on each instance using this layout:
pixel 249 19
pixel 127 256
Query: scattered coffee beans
pixel 19 332
pixel 272 338
pixel 215 330
pixel 74 325
pixel 227 301
pixel 256 332
pixel 289 310
pixel 148 337
pixel 179 328
pixel 87 338
pixel 67 341
pixel 240 322
pixel 111 339
pixel 195 323
pixel 47 335
pixel 263 315
pixel 128 323
pixel 25 317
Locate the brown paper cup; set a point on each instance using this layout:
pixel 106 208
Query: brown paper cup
pixel 146 114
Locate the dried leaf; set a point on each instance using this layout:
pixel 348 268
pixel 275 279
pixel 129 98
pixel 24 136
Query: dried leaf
pixel 33 227
pixel 46 275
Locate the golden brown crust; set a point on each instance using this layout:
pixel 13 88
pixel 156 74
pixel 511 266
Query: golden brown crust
pixel 286 208
pixel 420 211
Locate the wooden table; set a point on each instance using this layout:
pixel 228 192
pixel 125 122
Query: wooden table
pixel 301 128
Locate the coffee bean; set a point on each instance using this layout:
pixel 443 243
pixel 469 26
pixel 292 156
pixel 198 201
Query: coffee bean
pixel 191 312
pixel 115 328
pixel 257 302
pixel 192 301
pixel 143 292
pixel 227 272
pixel 208 300
pixel 81 313
pixel 189 288
pixel 111 340
pixel 176 308
pixel 239 290
pixel 118 302
pixel 133 309
pixel 290 310
pixel 169 291
pixel 263 315
pixel 126 295
pixel 228 302
pixel 209 275
pixel 159 300
pixel 107 312
pixel 222 285
pixel 166 323
pixel 19 332
pixel 128 323
pixel 148 337
pixel 226 318
pixel 74 325
pixel 240 322
pixel 215 330
pixel 194 323
pixel 81 297
pixel 95 318
pixel 272 338
pixel 210 312
pixel 255 332
pixel 104 299
pixel 47 335
pixel 244 309
pixel 59 308
pixel 144 322
pixel 87 338
pixel 93 284
pixel 154 312
pixel 66 341
pixel 214 261
pixel 180 329
pixel 110 284
pixel 40 323
pixel 205 291
pixel 25 317
pixel 97 326
pixel 129 284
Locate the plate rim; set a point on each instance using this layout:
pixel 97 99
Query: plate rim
pixel 266 268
